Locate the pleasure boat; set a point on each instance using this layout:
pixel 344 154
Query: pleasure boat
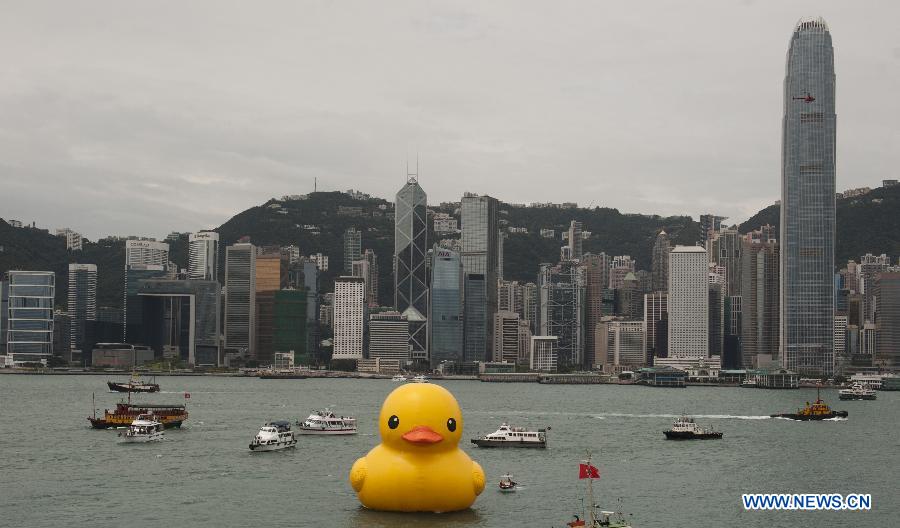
pixel 327 423
pixel 685 428
pixel 507 436
pixel 398 377
pixel 507 484
pixel 274 436
pixel 858 391
pixel 143 429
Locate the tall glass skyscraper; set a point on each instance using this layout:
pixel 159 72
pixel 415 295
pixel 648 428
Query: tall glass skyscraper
pixel 410 247
pixel 807 202
pixel 481 241
pixel 445 320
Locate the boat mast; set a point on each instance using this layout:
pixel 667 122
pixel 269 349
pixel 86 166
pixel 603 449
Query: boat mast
pixel 590 492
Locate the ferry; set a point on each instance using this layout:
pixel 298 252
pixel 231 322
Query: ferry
pixel 857 392
pixel 127 412
pixel 507 484
pixel 144 428
pixel 274 436
pixel 507 436
pixel 819 410
pixel 685 428
pixel 327 423
pixel 398 377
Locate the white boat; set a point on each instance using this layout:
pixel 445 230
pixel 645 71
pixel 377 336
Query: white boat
pixel 327 423
pixel 144 428
pixel 420 379
pixel 273 436
pixel 507 436
pixel 749 383
pixel 398 377
pixel 858 391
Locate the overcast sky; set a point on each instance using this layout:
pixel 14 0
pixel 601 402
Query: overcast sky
pixel 148 117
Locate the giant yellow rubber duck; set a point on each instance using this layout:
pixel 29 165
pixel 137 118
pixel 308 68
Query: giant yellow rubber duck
pixel 418 466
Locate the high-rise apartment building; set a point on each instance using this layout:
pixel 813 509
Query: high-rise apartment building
pixel 688 303
pixel 82 305
pixel 371 277
pixel 352 248
pixel 240 298
pixel 203 255
pixel 446 311
pixel 808 201
pixel 576 243
pixel 349 317
pixel 660 263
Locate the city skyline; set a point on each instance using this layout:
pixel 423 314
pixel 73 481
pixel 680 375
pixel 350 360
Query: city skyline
pixel 179 139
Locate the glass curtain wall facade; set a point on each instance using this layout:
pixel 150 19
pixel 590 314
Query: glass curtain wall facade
pixel 808 202
pixel 29 321
pixel 410 248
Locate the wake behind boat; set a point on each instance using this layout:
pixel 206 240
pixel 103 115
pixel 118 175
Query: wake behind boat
pixel 327 423
pixel 274 436
pixel 507 436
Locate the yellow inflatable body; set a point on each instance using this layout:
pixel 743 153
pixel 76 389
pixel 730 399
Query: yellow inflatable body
pixel 418 466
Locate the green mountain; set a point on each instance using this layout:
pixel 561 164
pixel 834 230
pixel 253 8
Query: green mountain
pixel 869 223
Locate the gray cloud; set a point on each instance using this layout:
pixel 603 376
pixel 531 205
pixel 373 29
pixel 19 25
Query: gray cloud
pixel 121 118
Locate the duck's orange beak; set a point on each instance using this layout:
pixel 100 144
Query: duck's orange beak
pixel 422 434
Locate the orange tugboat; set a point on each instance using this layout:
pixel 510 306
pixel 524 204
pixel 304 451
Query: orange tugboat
pixel 819 410
pixel 127 412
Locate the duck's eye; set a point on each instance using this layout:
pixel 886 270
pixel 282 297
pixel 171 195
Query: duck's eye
pixel 451 425
pixel 393 422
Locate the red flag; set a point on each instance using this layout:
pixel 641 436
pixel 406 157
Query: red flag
pixel 588 471
pixel 187 395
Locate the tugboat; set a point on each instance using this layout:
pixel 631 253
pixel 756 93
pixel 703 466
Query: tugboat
pixel 133 385
pixel 594 517
pixel 127 412
pixel 507 484
pixel 144 429
pixel 819 410
pixel 274 436
pixel 507 436
pixel 326 423
pixel 685 428
pixel 857 392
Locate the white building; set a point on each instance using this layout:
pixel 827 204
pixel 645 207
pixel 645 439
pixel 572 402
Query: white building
pixel 203 255
pixel 688 302
pixel 349 317
pixel 506 337
pixel 444 224
pixel 320 260
pixel 840 343
pixel 146 252
pixel 543 353
pixel 389 337
pixel 73 239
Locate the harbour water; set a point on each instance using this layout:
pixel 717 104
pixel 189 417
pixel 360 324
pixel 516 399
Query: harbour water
pixel 56 471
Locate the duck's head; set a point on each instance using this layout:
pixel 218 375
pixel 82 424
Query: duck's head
pixel 420 416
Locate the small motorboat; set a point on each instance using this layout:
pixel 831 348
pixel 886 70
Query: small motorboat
pixel 507 484
pixel 273 436
pixel 145 428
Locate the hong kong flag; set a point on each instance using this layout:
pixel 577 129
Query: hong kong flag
pixel 588 471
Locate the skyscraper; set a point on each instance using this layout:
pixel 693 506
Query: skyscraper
pixel 82 301
pixel 561 311
pixel 240 298
pixel 688 303
pixel 446 311
pixel 149 252
pixel 807 201
pixel 371 277
pixel 759 300
pixel 203 255
pixel 620 266
pixel 475 318
pixel 410 248
pixel 660 263
pixel 887 291
pixel 29 318
pixel 656 310
pixel 271 276
pixel 724 248
pixel 352 248
pixel 506 336
pixel 480 217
